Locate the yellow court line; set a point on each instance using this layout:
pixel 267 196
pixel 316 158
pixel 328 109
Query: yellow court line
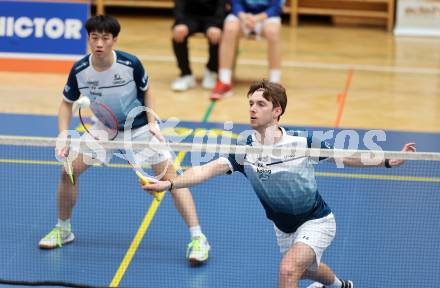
pixel 142 230
pixel 43 162
pixel 181 155
pixel 157 200
pixel 34 162
pixel 144 225
pixel 379 177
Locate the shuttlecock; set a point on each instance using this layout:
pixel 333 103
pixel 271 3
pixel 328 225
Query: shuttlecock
pixel 82 103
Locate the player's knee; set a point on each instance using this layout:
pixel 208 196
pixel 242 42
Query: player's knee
pixel 289 272
pixel 292 267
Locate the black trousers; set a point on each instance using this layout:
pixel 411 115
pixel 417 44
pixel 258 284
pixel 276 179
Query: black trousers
pixel 195 24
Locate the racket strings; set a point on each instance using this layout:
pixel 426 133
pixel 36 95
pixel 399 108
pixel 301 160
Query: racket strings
pixel 104 115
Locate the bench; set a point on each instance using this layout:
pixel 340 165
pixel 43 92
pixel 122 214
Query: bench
pixel 101 4
pixel 356 9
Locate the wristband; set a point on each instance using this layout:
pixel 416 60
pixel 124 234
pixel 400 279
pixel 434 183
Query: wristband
pixel 387 163
pixel 171 184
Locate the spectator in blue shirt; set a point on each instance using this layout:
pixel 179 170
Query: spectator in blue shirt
pixel 249 18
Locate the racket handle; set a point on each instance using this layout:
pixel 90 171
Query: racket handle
pixel 142 178
pixel 69 171
pixel 69 168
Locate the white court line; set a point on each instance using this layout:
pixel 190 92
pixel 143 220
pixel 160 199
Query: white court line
pixel 311 65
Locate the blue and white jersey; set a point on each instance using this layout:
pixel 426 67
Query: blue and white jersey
pixel 121 87
pixel 272 8
pixel 285 184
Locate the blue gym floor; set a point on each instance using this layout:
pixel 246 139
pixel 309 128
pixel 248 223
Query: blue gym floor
pixel 388 231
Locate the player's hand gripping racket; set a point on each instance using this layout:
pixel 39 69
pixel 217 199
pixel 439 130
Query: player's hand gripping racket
pixel 110 129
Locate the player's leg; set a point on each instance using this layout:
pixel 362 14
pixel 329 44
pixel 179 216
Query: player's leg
pixel 319 234
pixel 298 263
pixel 182 197
pixel 272 32
pixel 198 248
pixel 67 193
pixel 322 275
pixel 294 263
pixel 326 278
pixel 303 250
pixel 66 200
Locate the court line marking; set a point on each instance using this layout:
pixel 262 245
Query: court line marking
pixel 134 245
pixel 150 214
pixel 341 98
pixel 379 177
pixel 318 173
pixel 310 65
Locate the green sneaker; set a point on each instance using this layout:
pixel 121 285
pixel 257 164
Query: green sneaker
pixel 56 238
pixel 198 250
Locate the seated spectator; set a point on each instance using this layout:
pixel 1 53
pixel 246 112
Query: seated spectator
pixel 192 16
pixel 249 18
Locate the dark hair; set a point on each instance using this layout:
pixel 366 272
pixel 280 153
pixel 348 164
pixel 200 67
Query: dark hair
pixel 272 92
pixel 103 24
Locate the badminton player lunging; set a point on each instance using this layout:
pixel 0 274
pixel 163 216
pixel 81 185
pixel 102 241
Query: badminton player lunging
pixel 119 80
pixel 286 187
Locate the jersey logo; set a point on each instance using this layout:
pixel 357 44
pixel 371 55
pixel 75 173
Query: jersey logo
pixel 117 79
pixel 94 89
pixel 262 170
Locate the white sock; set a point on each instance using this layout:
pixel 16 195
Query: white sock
pixel 195 231
pixel 225 75
pixel 336 284
pixel 275 75
pixel 64 224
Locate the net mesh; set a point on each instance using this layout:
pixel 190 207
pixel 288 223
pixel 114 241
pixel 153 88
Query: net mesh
pixel 388 228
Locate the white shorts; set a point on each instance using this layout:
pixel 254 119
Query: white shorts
pixel 146 156
pixel 258 26
pixel 318 234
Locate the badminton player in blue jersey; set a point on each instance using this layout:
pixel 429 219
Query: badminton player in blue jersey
pixel 286 187
pixel 118 80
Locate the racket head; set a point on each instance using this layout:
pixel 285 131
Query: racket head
pixel 99 112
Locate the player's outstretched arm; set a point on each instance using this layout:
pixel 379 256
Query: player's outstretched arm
pixel 409 147
pixel 358 162
pixel 190 177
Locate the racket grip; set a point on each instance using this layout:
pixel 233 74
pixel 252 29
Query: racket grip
pixel 69 170
pixel 142 179
pixel 71 178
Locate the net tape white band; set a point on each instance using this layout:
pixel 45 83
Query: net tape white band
pixel 223 149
